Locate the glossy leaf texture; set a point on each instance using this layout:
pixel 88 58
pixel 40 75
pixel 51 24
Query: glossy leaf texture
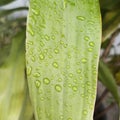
pixel 62 52
pixel 13 91
pixel 106 77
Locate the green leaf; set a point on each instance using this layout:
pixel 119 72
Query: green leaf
pixel 110 4
pixel 3 2
pixel 111 22
pixel 106 77
pixel 62 52
pixel 13 88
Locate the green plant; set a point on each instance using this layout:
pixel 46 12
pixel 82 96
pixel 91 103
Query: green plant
pixel 62 54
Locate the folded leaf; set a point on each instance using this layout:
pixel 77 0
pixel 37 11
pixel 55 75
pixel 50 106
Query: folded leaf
pixel 62 52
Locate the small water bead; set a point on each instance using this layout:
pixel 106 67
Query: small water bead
pixel 50 56
pixel 70 85
pixel 59 80
pixel 92 44
pixel 42 57
pixel 80 18
pixel 47 37
pixel 29 70
pixel 81 77
pixel 58 88
pixel 42 44
pixel 55 64
pixel 61 117
pixel 33 58
pixel 75 80
pixel 53 37
pixel 69 119
pixel 30 30
pixel 83 60
pixel 56 51
pixel 46 50
pixel 78 71
pixel 74 88
pixel 68 66
pixel 40 91
pixel 90 49
pixel 70 75
pixel 37 74
pixel 94 67
pixel 46 81
pixel 35 11
pixel 83 95
pixel 37 83
pixel 86 38
pixel 30 42
pixel 61 42
pixel 42 98
pixel 85 112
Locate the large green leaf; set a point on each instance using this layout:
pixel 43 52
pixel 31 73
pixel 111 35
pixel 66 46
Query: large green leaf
pixel 62 52
pixel 106 77
pixel 13 88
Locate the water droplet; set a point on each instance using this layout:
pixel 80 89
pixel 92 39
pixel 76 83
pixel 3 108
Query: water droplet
pixel 50 56
pixel 85 112
pixel 30 42
pixel 90 49
pixel 80 18
pixel 61 42
pixel 35 11
pixel 37 83
pixel 56 51
pixel 82 95
pixel 78 71
pixel 30 30
pixel 53 37
pixel 88 83
pixel 36 74
pixel 41 56
pixel 42 98
pixel 29 70
pixel 46 81
pixel 47 37
pixel 61 117
pixel 92 44
pixel 94 67
pixel 69 119
pixel 94 72
pixel 42 44
pixel 75 80
pixel 40 91
pixel 70 85
pixel 33 58
pixel 59 80
pixel 86 38
pixel 84 60
pixel 75 88
pixel 70 75
pixel 68 66
pixel 58 88
pixel 55 64
pixel 81 77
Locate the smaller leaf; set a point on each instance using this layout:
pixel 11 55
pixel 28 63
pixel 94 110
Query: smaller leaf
pixel 3 2
pixel 106 77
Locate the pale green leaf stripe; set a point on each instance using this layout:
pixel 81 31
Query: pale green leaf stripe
pixel 62 51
